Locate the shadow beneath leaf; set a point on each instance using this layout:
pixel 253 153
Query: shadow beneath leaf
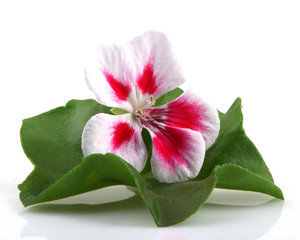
pixel 82 221
pixel 237 197
pixel 130 219
pixel 97 212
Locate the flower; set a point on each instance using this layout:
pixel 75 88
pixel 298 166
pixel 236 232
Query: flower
pixel 132 76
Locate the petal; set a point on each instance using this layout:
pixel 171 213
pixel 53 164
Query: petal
pixel 110 74
pixel 156 68
pixel 126 76
pixel 120 135
pixel 189 111
pixel 178 153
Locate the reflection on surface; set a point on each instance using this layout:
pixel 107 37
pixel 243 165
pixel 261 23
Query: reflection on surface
pixel 129 218
pixel 170 234
pixel 235 222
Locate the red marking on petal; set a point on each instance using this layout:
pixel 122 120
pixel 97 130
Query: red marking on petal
pixel 183 113
pixel 186 115
pixel 172 145
pixel 122 133
pixel 147 81
pixel 121 90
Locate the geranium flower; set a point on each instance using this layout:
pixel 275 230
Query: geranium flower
pixel 132 77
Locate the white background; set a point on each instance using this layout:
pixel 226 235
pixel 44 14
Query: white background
pixel 227 49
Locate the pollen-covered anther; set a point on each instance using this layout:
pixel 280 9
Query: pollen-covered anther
pixel 144 112
pixel 151 101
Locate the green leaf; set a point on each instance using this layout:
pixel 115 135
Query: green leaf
pixel 52 141
pixel 232 176
pixel 235 148
pixel 168 97
pixel 168 203
pixel 147 172
pixel 118 111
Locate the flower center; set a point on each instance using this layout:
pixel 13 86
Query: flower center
pixel 143 114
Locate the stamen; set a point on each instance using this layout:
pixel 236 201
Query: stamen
pixel 151 101
pixel 143 114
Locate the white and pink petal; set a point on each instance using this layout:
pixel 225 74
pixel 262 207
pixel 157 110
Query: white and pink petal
pixel 157 71
pixel 110 75
pixel 177 154
pixel 120 135
pixel 191 112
